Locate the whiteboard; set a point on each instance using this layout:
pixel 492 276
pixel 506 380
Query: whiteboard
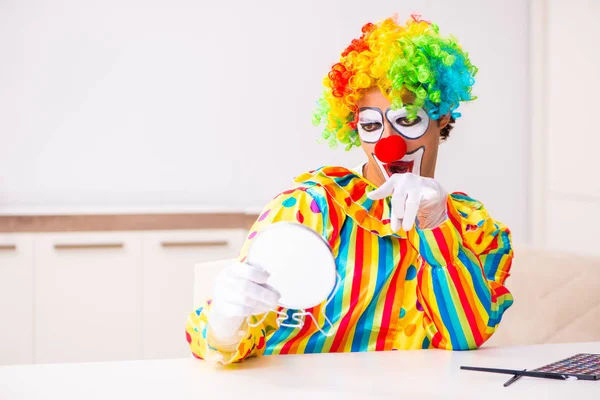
pixel 138 104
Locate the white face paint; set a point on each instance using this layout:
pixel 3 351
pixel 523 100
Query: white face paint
pixel 370 124
pixel 409 129
pixel 371 128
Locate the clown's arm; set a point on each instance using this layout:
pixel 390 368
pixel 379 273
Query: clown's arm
pixel 466 260
pixel 305 205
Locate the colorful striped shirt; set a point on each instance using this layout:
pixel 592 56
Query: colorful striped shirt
pixel 426 288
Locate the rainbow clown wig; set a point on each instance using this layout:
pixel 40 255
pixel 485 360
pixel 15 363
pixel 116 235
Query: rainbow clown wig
pixel 413 60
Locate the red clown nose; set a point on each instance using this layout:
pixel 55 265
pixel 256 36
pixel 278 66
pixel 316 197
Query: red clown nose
pixel 390 149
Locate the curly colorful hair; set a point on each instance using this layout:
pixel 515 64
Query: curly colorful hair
pixel 412 58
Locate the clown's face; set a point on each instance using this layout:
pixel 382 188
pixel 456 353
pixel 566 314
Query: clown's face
pixel 392 143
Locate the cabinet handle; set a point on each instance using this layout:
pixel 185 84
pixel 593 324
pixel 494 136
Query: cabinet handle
pixel 8 246
pixel 82 246
pixel 204 243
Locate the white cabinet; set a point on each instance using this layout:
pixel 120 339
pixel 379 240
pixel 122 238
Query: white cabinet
pixel 16 299
pixel 168 279
pixel 88 298
pixel 102 296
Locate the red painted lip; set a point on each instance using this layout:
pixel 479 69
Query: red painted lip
pixel 399 167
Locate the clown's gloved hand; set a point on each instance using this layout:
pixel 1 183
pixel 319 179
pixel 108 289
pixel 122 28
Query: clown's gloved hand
pixel 413 197
pixel 240 291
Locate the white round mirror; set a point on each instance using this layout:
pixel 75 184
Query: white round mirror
pixel 299 261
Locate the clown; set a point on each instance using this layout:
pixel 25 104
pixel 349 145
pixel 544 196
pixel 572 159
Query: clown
pixel 419 268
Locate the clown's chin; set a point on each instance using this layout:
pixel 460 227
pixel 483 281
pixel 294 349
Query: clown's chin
pixel 399 167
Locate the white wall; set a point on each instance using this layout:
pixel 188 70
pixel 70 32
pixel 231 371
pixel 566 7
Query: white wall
pixel 568 188
pixel 136 103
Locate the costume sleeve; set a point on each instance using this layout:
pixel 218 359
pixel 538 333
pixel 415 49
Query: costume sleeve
pixel 464 263
pixel 306 206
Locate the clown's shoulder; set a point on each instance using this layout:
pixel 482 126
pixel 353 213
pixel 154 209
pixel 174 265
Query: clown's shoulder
pixel 334 182
pixel 478 229
pixel 472 211
pixel 324 190
pixel 326 175
pixel 321 184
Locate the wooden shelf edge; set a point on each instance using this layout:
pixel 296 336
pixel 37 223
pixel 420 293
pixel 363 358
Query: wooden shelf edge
pixel 124 222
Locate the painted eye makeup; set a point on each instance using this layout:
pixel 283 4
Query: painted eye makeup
pixel 403 121
pixel 370 124
pixel 408 128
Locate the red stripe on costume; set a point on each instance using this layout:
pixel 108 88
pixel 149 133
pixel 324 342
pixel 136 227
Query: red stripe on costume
pixel 493 245
pixel 437 339
pixel 355 292
pixel 336 172
pixel 466 305
pixel 358 191
pixel 333 220
pixel 499 290
pixel 388 307
pixel 480 238
pixel 440 239
pixel 454 216
pixel 378 210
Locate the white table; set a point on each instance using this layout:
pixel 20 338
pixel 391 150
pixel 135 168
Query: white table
pixel 418 375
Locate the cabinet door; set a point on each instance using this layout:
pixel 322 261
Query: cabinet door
pixel 169 259
pixel 88 297
pixel 16 299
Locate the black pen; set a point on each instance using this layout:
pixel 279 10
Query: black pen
pixel 533 374
pixel 513 379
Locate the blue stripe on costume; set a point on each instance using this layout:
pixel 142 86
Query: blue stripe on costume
pixel 448 314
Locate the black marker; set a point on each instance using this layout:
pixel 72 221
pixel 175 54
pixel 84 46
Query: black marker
pixel 533 374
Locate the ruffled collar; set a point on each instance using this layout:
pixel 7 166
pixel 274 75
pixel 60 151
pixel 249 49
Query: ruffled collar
pixel 349 191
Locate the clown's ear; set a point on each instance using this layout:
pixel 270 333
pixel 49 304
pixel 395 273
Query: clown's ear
pixel 443 121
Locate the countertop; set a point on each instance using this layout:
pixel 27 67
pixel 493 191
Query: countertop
pixel 420 374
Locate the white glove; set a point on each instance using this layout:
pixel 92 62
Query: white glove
pixel 240 291
pixel 413 197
